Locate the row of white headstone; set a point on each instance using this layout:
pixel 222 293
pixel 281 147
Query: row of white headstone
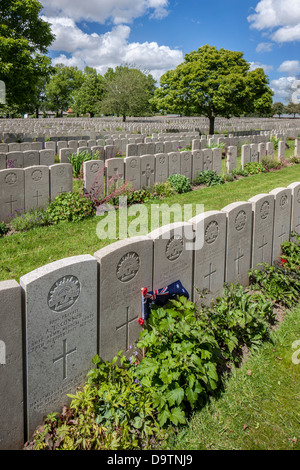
pixel 59 316
pixel 22 189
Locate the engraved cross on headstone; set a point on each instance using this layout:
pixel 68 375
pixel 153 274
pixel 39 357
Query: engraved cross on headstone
pixel 64 358
pixel 148 172
pixel 126 325
pixel 264 243
pixel 209 276
pixel 283 232
pixel 37 196
pixel 11 202
pixel 238 259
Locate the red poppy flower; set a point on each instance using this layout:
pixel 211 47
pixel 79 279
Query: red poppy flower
pixel 282 261
pixel 144 291
pixel 141 321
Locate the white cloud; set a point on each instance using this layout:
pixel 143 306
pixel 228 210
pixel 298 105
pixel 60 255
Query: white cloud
pixel 110 49
pixel 283 89
pixel 282 15
pixel 118 11
pixel 264 47
pixel 291 67
pixel 258 65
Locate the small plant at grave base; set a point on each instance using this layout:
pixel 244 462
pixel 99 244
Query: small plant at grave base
pixel 275 142
pixel 70 207
pixel 239 317
pixel 254 168
pixel 280 283
pixel 31 219
pixel 239 172
pixel 4 229
pixel 111 411
pixel 180 368
pixel 209 178
pixel 228 177
pixel 290 257
pixel 180 183
pixel 272 163
pixel 163 190
pixel 77 160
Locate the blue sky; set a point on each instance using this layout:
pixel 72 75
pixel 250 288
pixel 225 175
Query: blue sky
pixel 156 34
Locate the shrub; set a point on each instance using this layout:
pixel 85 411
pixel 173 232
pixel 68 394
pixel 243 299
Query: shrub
pixel 165 189
pixel 4 229
pixel 270 162
pixel 209 178
pixel 31 219
pixel 254 168
pixel 180 183
pixel 70 207
pixel 77 160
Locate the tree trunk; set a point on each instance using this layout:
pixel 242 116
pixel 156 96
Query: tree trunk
pixel 124 117
pixel 37 113
pixel 211 125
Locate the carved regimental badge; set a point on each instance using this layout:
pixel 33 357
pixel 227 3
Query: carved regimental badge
pixel 240 221
pixel 265 210
pixel 64 293
pixel 174 248
pixel 36 175
pixel 11 178
pixel 128 267
pixel 284 201
pixel 211 232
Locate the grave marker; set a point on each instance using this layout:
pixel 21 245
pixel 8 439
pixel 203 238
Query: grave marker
pixel 282 219
pixel 263 221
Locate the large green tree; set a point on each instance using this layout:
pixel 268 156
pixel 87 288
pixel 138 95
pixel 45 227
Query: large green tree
pixel 24 41
pixel 88 97
pixel 292 108
pixel 213 83
pixel 62 87
pixel 127 92
pixel 278 108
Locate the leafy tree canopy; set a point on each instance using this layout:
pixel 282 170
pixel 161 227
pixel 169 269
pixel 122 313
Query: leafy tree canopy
pixel 24 39
pixel 213 83
pixel 127 92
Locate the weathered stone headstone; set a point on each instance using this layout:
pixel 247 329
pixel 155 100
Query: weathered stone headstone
pixel 238 249
pixel 262 238
pixel 270 148
pixel 25 146
pixel 37 187
pixel 209 254
pixel 31 158
pixel 262 151
pixel 16 159
pixel 51 145
pixel 217 160
pixel 197 162
pixel 3 148
pixel 115 173
pixel 60 315
pixel 282 219
pixel 125 268
pixel 14 147
pixel 93 177
pixel 110 151
pixel 131 150
pixel 254 152
pixel 147 170
pixel 47 157
pixel 161 167
pixel 295 215
pixel 65 154
pixel 11 367
pixel 159 147
pixel 245 155
pixel 174 163
pixel 172 260
pixel 186 164
pixel 296 149
pixel 231 159
pixel 133 171
pixel 11 192
pixel 61 179
pixel 2 161
pixel 37 146
pixel 207 159
pixel 142 149
pixel 61 144
pixel 281 150
pixel 99 151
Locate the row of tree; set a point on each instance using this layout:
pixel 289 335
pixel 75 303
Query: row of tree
pixel 291 108
pixel 209 82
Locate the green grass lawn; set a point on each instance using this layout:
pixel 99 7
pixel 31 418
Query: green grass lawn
pixel 259 408
pixel 23 252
